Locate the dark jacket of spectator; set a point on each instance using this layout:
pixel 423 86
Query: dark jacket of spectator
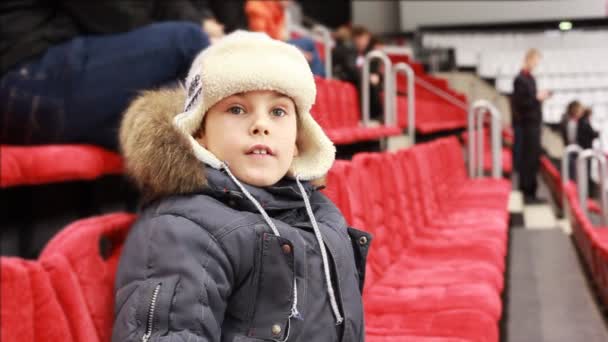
pixel 525 106
pixel 585 132
pixel 231 13
pixel 344 60
pixel 569 122
pixel 30 27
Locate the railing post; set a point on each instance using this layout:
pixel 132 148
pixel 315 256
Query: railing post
pixel 565 163
pixel 582 179
pixel 471 141
pixel 479 138
pixel 565 168
pixel 328 45
pixel 475 120
pixel 365 85
pixel 411 97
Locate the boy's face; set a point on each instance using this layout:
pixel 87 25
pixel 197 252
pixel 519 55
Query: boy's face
pixel 254 133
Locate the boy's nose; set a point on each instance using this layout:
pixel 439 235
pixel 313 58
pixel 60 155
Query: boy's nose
pixel 260 126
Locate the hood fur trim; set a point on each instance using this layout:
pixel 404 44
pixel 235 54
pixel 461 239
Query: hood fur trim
pixel 158 157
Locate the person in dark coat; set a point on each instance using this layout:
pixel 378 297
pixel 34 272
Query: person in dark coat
pixel 348 58
pixel 569 122
pixel 527 118
pixel 585 134
pixel 234 241
pixel 68 69
pixel 568 128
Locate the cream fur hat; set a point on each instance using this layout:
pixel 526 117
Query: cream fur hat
pixel 248 61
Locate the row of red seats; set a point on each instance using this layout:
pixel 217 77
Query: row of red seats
pixel 591 241
pixel 506 155
pixel 433 113
pixel 37 165
pixel 337 110
pixel 436 268
pixel 553 179
pixel 434 275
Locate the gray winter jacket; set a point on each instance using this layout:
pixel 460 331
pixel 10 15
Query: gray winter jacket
pixel 202 264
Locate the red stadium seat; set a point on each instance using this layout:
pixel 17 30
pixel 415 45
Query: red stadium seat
pixel 507 158
pixel 429 261
pixel 68 294
pixel 338 112
pixel 35 165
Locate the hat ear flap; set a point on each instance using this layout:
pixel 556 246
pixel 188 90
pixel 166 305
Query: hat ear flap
pixel 316 153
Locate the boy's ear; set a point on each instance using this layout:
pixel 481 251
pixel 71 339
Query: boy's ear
pixel 199 136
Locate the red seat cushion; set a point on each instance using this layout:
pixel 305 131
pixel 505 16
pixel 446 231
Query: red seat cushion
pixel 471 325
pixel 34 165
pixel 338 111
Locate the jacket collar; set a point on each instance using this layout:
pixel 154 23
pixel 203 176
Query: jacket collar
pixel 283 195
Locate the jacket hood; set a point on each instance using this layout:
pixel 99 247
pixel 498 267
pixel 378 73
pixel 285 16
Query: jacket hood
pixel 159 158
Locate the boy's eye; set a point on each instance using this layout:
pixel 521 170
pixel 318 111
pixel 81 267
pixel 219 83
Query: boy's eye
pixel 279 112
pixel 236 110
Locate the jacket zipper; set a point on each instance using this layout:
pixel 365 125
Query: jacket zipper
pixel 151 309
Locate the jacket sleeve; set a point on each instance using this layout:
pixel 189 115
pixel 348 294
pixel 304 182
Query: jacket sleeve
pixel 173 283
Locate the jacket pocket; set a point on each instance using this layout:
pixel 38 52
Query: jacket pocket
pixel 360 241
pixel 154 307
pixel 275 289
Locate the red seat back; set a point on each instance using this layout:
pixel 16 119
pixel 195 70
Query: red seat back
pixel 81 261
pixel 338 189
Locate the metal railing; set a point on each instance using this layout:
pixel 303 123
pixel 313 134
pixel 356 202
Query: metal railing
pixel 442 93
pixel 388 90
pixel 328 43
pixel 476 138
pixel 572 148
pixel 318 31
pixel 582 179
pixel 411 106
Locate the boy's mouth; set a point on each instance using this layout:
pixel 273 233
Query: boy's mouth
pixel 260 150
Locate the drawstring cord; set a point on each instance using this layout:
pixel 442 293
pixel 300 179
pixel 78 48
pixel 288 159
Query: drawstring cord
pixel 330 288
pixel 294 308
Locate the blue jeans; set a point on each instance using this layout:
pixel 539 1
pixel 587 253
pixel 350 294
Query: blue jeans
pixel 77 91
pixel 308 45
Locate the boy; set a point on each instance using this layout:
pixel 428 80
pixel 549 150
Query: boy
pixel 234 243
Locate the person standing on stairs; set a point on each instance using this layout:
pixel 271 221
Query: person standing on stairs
pixel 585 134
pixel 527 118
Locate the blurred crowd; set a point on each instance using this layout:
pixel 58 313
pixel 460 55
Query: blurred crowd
pixel 69 69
